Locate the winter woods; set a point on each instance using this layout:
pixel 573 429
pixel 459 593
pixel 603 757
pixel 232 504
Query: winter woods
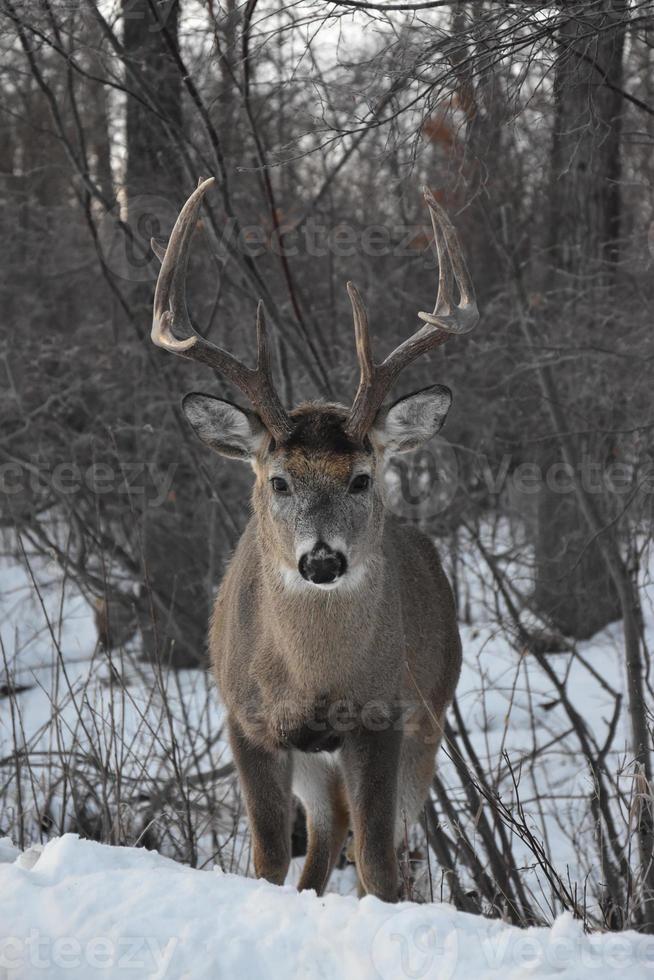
pixel 533 125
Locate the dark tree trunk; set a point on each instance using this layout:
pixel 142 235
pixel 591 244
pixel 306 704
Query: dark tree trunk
pixel 174 606
pixel 97 126
pixel 586 163
pixel 150 30
pixel 573 587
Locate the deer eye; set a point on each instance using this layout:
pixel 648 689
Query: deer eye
pixel 359 483
pixel 279 485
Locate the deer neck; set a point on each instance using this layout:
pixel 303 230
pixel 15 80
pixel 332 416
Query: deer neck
pixel 320 633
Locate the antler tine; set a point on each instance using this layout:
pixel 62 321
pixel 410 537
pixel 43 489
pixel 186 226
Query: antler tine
pixel 263 351
pixel 451 317
pixel 362 336
pixel 170 292
pixel 170 317
pixel 447 319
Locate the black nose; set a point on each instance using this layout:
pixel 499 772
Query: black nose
pixel 321 565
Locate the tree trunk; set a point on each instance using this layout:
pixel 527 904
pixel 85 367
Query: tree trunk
pixel 153 165
pixel 586 164
pixel 573 587
pixel 97 125
pixel 174 609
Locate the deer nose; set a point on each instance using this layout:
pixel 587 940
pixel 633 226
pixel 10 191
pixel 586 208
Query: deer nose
pixel 322 565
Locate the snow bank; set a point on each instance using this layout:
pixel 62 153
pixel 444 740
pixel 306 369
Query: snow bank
pixel 81 909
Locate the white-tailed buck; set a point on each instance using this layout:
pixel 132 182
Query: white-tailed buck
pixel 334 639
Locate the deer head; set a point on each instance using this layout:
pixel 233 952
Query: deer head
pixel 318 493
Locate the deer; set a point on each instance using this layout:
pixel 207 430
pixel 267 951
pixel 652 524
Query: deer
pixel 333 640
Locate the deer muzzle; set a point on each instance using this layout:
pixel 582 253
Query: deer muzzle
pixel 322 565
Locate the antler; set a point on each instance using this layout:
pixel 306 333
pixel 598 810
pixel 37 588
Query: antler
pixel 447 319
pixel 171 319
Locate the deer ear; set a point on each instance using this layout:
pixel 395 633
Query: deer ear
pixel 412 420
pixel 224 427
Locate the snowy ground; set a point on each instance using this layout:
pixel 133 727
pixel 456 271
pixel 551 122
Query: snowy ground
pixel 73 717
pixel 87 910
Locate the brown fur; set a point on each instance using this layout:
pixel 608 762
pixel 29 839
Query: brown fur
pixel 332 619
pixel 285 658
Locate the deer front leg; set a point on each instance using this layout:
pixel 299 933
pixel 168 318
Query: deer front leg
pixel 370 764
pixel 265 779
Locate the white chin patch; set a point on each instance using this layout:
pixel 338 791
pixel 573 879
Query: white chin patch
pixel 328 586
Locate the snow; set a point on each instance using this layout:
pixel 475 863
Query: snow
pixel 82 909
pixel 71 907
pixel 81 715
